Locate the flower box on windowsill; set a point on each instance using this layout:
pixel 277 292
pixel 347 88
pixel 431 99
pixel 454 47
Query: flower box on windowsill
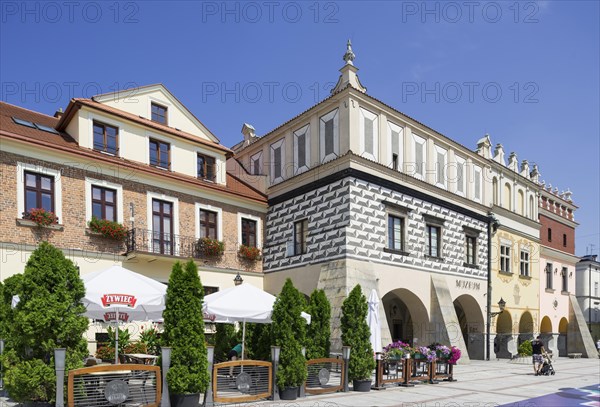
pixel 524 277
pixel 31 224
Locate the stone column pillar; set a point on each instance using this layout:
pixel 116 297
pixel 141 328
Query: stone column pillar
pixel 512 344
pixel 553 344
pixel 494 346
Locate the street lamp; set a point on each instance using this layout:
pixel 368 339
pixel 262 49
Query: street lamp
pixel 275 350
pixel 238 279
pixel 501 305
pixel 346 357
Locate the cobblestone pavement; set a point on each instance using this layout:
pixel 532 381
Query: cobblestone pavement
pixel 479 384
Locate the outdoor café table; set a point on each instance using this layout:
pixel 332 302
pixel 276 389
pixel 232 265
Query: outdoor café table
pixel 142 358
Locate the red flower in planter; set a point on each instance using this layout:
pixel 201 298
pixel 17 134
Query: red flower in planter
pixel 109 229
pixel 41 216
pixel 249 252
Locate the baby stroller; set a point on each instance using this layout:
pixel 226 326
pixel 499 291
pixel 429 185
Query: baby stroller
pixel 547 369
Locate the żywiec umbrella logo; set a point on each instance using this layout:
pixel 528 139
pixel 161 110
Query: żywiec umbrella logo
pixel 112 316
pixel 121 299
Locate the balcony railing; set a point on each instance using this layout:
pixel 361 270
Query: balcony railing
pixel 167 244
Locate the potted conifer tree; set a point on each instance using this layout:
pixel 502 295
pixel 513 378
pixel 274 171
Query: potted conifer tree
pixel 289 332
pixel 47 316
pixel 184 333
pixel 356 334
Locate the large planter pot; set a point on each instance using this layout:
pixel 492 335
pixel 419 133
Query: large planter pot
pixel 185 400
pixel 288 393
pixel 361 385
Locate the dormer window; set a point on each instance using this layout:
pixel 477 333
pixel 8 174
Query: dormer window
pixel 159 113
pixel 206 167
pixel 106 138
pixel 160 154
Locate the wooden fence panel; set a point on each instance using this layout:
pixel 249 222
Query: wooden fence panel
pixel 241 381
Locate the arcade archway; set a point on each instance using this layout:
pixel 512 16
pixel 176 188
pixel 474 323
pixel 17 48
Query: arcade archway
pixel 504 335
pixel 525 327
pixel 406 315
pixel 472 327
pixel 563 327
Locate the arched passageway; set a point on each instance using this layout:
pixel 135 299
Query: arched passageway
pixel 472 327
pixel 525 327
pixel 406 315
pixel 563 327
pixel 504 336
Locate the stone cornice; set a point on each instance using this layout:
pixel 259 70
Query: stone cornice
pixel 558 255
pixel 545 212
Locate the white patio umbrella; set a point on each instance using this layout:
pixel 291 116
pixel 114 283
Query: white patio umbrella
pixel 117 294
pixel 242 303
pixel 373 321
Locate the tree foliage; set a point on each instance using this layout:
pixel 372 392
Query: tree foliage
pixel 319 331
pixel 225 339
pixel 48 316
pixel 289 332
pixel 355 333
pixel 184 331
pixel 258 341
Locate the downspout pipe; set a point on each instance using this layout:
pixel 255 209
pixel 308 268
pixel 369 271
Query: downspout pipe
pixel 492 224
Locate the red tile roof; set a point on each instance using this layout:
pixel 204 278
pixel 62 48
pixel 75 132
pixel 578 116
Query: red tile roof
pixel 65 143
pixel 76 103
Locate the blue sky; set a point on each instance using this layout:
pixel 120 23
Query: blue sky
pixel 527 73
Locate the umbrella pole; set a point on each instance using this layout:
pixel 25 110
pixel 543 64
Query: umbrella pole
pixel 243 341
pixel 117 338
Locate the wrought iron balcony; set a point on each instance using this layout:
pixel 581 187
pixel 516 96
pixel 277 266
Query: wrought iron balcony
pixel 165 244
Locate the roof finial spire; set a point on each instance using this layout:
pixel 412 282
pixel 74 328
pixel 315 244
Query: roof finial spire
pixel 349 55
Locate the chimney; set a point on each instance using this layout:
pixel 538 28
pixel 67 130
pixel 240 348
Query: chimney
pixel 499 154
pixel 248 132
pixel 58 114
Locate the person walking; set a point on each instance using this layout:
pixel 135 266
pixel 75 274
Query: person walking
pixel 234 354
pixel 538 351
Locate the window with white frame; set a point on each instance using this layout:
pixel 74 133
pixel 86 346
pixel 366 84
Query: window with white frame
pixel 302 149
pixel 277 161
pixel 460 176
pixel 396 137
pixel 256 164
pixel 441 159
pixel 505 258
pixel 329 136
pixel 419 154
pixel 477 183
pixel 38 187
pixel 103 200
pixel 249 230
pixel 524 263
pixel 369 134
pixel 209 221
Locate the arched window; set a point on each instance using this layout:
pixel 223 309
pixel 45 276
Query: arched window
pixel 507 197
pixel 495 191
pixel 521 202
pixel 531 208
